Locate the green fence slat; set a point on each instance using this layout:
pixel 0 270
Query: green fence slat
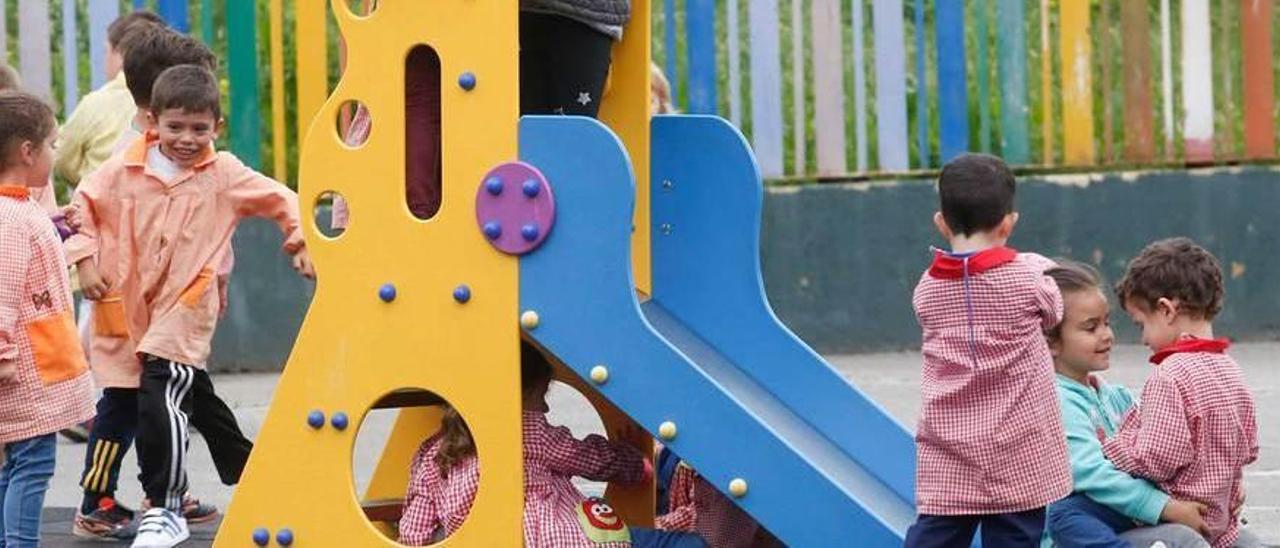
pixel 242 67
pixel 1011 59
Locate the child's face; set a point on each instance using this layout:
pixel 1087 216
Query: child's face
pixel 1085 343
pixel 1157 324
pixel 185 136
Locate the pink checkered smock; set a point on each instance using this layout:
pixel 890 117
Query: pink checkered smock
pixel 1193 432
pixel 990 438
pixel 435 506
pixel 696 506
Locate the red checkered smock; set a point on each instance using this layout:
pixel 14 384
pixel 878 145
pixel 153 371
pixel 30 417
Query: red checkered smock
pixel 434 504
pixel 696 506
pixel 1193 431
pixel 48 386
pixel 990 438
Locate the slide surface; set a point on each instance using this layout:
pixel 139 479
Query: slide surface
pixel 750 401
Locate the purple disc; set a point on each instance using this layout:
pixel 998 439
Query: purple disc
pixel 513 211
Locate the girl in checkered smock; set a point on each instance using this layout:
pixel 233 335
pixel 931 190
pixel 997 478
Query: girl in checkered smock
pixel 44 379
pixel 990 448
pixel 442 483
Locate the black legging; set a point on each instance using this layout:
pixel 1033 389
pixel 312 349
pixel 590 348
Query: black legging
pixel 563 65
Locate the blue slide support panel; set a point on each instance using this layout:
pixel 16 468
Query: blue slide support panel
pixel 803 485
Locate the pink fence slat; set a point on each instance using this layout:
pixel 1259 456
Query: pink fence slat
pixel 34 47
pixel 1197 89
pixel 799 148
pixel 766 87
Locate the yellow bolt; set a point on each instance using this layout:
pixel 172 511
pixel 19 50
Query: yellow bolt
pixel 529 319
pixel 599 374
pixel 738 487
pixel 667 430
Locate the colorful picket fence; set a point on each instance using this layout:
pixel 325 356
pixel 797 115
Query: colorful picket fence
pixel 823 88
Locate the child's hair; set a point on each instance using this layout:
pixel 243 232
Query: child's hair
pixel 23 117
pixel 976 192
pixel 126 24
pixel 661 88
pixel 535 370
pixel 1072 276
pixel 152 50
pixel 8 77
pixel 1174 268
pixel 189 88
pixel 456 442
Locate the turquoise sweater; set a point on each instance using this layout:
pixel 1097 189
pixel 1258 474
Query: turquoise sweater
pixel 1086 411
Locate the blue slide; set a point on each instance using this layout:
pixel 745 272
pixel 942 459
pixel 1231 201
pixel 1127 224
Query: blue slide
pixel 823 464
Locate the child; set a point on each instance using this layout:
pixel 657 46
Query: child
pixel 1105 501
pixel 89 136
pixel 989 451
pixel 158 255
pixel 693 504
pixel 556 514
pixel 44 380
pixel 112 353
pixel 1195 428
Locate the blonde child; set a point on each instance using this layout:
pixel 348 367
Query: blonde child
pixel 184 200
pixel 1108 508
pixel 989 451
pixel 44 380
pixel 1195 428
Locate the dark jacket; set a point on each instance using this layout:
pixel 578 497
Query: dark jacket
pixel 606 16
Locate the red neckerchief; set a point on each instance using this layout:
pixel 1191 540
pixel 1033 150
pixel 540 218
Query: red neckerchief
pixel 16 192
pixel 947 266
pixel 1191 344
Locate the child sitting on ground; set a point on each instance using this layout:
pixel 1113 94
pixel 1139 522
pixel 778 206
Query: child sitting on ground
pixel 989 451
pixel 44 380
pixel 159 217
pixel 1195 428
pixel 556 514
pixel 1105 501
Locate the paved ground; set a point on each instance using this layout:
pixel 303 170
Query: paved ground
pixel 891 378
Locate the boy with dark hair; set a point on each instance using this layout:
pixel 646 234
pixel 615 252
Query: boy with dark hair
pixel 184 201
pixel 1195 427
pixel 990 445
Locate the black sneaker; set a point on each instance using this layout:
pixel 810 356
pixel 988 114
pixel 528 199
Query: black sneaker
pixel 110 521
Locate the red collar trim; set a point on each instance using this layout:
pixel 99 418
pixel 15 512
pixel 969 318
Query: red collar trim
pixel 1191 344
pixel 15 191
pixel 951 267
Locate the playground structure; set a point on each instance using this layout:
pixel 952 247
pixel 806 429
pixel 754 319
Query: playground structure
pixel 409 312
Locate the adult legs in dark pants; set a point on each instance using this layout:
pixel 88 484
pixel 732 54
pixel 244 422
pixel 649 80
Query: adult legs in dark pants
pixel 1014 530
pixel 563 65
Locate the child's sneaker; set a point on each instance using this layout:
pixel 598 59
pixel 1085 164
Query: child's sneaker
pixel 110 521
pixel 161 528
pixel 192 509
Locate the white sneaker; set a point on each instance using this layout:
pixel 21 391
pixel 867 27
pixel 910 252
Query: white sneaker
pixel 161 528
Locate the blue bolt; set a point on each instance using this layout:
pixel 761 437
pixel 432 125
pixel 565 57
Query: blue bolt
pixel 315 419
pixel 462 293
pixel 529 231
pixel 261 536
pixel 531 188
pixel 493 185
pixel 339 420
pixel 284 537
pixel 387 292
pixel 492 230
pixel 467 81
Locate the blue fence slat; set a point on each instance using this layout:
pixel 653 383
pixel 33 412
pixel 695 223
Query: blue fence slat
pixel 101 14
pixel 139 4
pixel 34 47
pixel 175 13
pixel 891 84
pixel 70 58
pixel 953 102
pixel 922 87
pixel 766 87
pixel 700 39
pixel 669 18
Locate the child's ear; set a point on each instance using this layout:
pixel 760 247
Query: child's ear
pixel 1055 346
pixel 1167 309
pixel 218 127
pixel 28 152
pixel 941 224
pixel 1006 225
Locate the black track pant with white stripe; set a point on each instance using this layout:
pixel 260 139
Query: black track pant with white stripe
pixel 164 411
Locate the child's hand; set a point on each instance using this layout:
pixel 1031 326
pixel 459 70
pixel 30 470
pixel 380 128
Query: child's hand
pixel 8 370
pixel 92 284
pixel 1187 513
pixel 71 216
pixel 302 264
